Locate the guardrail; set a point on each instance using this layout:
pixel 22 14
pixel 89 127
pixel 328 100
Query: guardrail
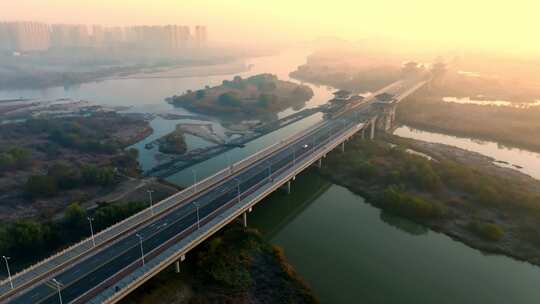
pixel 302 165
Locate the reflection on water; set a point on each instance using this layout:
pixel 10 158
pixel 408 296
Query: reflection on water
pixel 529 161
pixel 403 224
pixel 350 252
pixel 499 103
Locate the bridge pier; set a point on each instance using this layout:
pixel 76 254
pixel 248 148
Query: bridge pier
pixel 289 187
pixel 372 130
pixel 319 163
pixel 343 147
pixel 177 264
pixel 363 133
pixel 244 216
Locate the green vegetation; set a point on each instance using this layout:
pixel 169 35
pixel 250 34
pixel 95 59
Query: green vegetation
pixel 235 266
pixel 399 202
pixel 47 163
pixel 346 77
pixel 487 231
pixel 86 137
pixel 459 195
pixel 64 177
pixel 258 95
pixel 173 143
pixel 30 240
pixel 507 125
pixel 14 158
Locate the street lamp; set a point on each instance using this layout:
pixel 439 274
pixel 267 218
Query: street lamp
pixel 194 180
pixel 92 230
pixel 8 271
pixel 141 244
pixel 237 189
pixel 151 203
pixel 58 286
pixel 229 162
pixel 198 219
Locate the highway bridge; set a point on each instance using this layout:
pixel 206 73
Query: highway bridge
pixel 107 267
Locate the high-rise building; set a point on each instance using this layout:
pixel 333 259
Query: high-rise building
pixel 98 36
pixel 24 36
pixel 34 36
pixel 200 35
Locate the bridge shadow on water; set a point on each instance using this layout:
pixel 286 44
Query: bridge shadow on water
pixel 276 211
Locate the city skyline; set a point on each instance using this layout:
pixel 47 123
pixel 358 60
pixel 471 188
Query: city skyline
pixel 24 36
pixel 502 26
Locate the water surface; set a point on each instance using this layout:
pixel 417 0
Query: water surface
pixel 350 252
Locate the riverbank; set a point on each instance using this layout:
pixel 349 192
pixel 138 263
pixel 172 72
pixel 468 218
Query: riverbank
pixel 234 266
pixel 508 125
pixel 460 193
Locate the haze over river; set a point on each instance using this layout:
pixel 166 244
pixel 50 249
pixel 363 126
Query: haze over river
pixel 344 248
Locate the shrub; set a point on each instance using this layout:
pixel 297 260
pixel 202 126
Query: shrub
pixel 487 231
pixel 41 186
pixel 398 202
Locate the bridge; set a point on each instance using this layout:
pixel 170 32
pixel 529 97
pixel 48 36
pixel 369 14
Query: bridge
pixel 108 266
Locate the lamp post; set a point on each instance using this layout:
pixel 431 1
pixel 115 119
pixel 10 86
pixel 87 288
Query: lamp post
pixel 198 219
pixel 92 231
pixel 141 245
pixel 8 271
pixel 58 287
pixel 194 180
pixel 229 162
pixel 151 202
pixel 237 189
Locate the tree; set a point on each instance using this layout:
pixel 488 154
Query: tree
pixel 93 175
pixel 75 216
pixel 229 99
pixel 65 176
pixel 133 153
pixel 25 237
pixel 41 186
pixel 200 94
pixel 6 161
pixel 21 157
pixel 267 101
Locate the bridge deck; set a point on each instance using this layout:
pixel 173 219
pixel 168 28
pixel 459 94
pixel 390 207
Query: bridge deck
pixel 114 267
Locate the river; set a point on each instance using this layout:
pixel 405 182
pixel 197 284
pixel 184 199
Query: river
pixel 351 252
pixel 527 162
pixel 344 248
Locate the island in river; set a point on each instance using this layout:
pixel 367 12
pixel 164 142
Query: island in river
pixel 173 143
pixel 460 193
pixel 257 97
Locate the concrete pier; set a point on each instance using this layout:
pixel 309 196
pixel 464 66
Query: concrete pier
pixel 289 187
pixel 245 219
pixel 177 266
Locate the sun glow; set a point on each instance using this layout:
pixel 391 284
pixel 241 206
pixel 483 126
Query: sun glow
pixel 507 26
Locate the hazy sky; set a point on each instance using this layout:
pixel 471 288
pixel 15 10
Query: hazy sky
pixel 504 25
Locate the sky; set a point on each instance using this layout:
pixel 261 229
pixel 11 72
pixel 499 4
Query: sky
pixel 510 26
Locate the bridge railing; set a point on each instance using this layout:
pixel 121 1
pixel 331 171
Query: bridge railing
pixel 320 150
pixel 64 257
